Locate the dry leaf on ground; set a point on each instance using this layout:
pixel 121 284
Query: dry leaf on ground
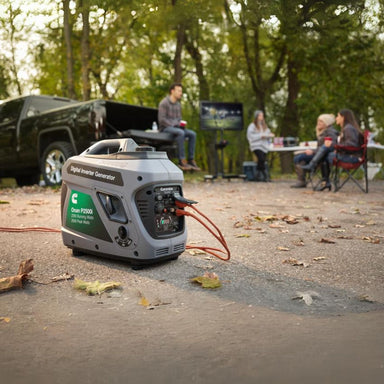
pixel 194 252
pixel 95 287
pixel 144 302
pixel 372 240
pixel 319 258
pixel 327 241
pixel 64 276
pixel 295 262
pixel 290 219
pixel 209 280
pixel 276 226
pixel 307 296
pixel 8 283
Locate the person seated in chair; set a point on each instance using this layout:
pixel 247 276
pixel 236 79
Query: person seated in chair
pixel 309 160
pixel 170 120
pixel 351 135
pixel 258 135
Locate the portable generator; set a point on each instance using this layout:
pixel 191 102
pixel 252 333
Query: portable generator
pixel 118 200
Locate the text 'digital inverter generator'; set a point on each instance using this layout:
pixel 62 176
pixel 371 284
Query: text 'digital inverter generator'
pixel 118 200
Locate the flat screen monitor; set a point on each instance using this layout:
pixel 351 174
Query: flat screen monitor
pixel 216 115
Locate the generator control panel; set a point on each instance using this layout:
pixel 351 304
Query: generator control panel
pixel 157 209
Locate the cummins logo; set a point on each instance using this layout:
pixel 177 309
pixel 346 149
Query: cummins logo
pixel 74 198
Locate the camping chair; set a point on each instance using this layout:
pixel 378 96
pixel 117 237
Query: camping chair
pixel 351 168
pixel 315 178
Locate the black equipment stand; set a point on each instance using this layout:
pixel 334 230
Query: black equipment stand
pixel 219 147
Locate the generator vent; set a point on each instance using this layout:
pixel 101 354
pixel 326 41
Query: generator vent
pixel 162 251
pixel 143 207
pixel 179 247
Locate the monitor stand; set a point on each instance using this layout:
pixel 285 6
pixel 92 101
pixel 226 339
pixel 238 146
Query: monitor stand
pixel 219 153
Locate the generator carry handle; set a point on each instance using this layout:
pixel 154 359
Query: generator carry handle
pixel 106 147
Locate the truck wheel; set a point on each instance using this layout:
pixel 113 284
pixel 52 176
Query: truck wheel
pixel 53 160
pixel 23 180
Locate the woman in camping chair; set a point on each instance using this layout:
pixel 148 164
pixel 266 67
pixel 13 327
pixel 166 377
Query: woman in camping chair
pixel 351 135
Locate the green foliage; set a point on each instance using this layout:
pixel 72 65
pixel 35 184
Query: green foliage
pixel 231 50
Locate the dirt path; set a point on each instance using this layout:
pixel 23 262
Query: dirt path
pixel 260 326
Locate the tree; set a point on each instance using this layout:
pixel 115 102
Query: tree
pixel 13 29
pixel 85 49
pixel 67 26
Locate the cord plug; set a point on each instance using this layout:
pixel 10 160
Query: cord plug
pixel 181 201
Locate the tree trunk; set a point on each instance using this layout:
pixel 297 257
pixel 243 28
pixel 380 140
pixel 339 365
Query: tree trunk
pixel 84 8
pixel 290 123
pixel 178 75
pixel 209 138
pixel 68 49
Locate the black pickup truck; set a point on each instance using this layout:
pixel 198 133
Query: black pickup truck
pixel 39 133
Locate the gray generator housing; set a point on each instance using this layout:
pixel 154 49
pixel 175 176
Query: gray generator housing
pixel 117 201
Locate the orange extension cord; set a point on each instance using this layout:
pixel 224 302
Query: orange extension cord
pixel 28 229
pixel 179 212
pixel 219 236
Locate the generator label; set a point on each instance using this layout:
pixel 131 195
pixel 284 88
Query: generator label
pixel 82 216
pixel 94 173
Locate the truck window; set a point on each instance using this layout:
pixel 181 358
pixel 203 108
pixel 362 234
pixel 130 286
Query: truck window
pixel 39 105
pixel 10 110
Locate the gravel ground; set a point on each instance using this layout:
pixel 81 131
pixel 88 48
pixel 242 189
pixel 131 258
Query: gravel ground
pixel 302 298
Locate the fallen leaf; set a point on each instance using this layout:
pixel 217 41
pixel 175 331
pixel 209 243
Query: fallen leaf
pixel 243 235
pixel 157 302
pixel 4 202
pixel 372 240
pixel 64 276
pixel 327 241
pixel 209 280
pixel 276 226
pixel 144 302
pixel 319 258
pixel 290 219
pixel 36 202
pixel 307 296
pixel 266 218
pixel 261 230
pixel 365 298
pixel 95 287
pixel 282 249
pixel 196 252
pixel 8 283
pixel 295 262
pixel 5 319
pixel 25 267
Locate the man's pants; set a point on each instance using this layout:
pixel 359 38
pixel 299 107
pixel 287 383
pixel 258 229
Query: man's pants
pixel 183 134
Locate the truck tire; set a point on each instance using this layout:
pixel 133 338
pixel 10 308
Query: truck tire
pixel 23 180
pixel 52 161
